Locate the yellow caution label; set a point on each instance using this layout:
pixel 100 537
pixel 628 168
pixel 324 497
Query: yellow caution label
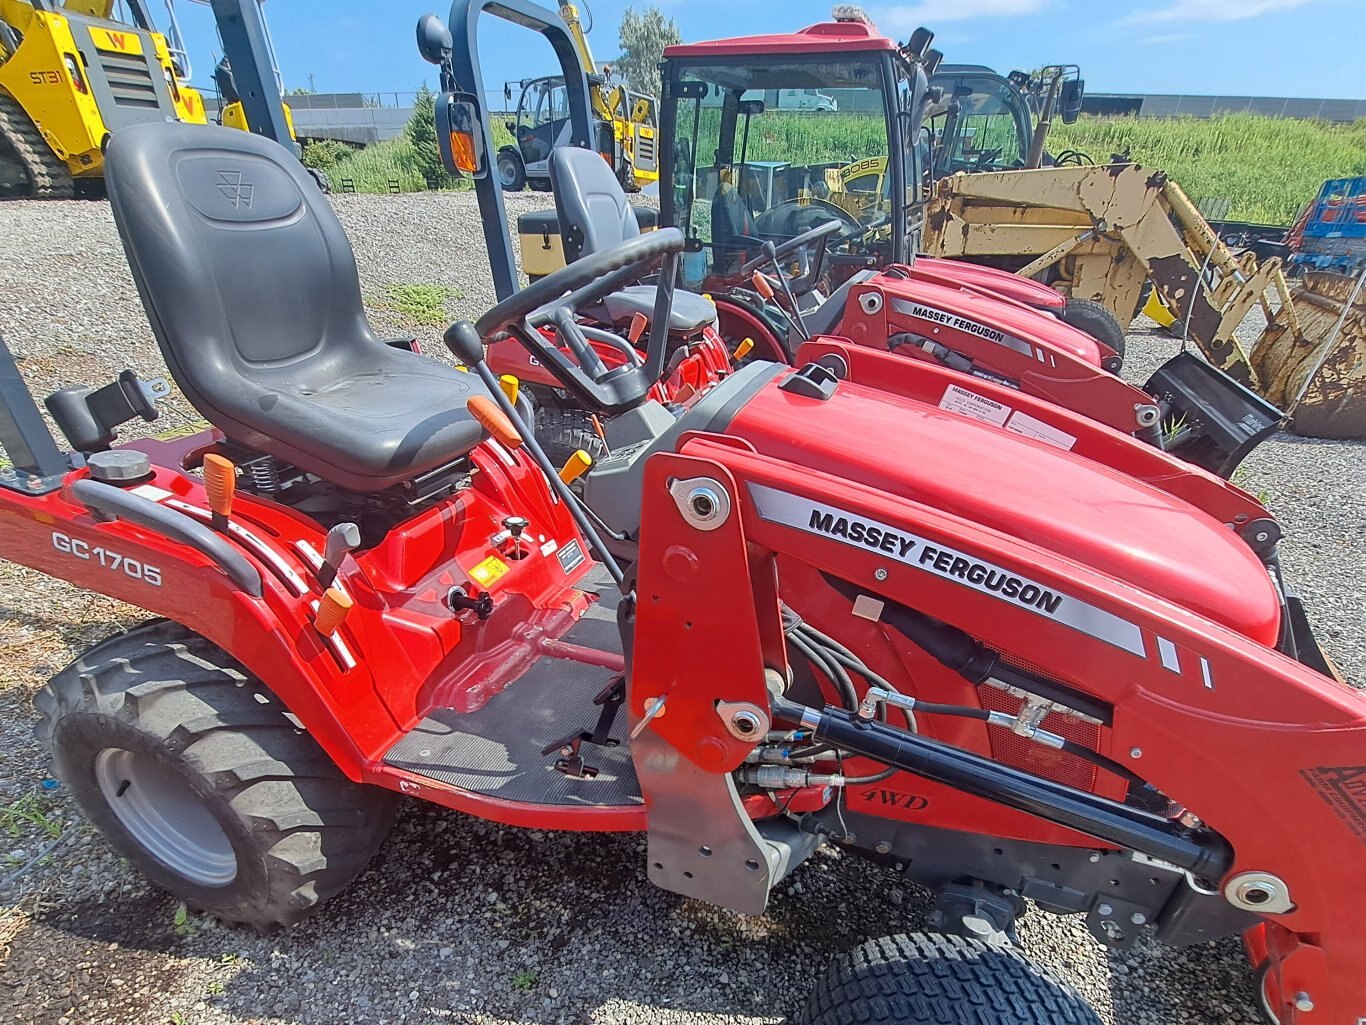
pixel 489 570
pixel 117 42
pixel 189 430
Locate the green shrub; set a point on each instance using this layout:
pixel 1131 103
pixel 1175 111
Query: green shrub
pixel 420 131
pixel 325 154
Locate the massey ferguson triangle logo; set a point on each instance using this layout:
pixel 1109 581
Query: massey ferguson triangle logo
pixel 239 193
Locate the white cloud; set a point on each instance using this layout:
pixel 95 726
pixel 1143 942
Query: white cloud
pixel 1212 10
pixel 931 13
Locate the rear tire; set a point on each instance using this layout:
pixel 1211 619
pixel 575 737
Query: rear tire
pixel 562 432
pixel 194 772
pixel 933 979
pixel 511 171
pixel 21 142
pixel 1096 321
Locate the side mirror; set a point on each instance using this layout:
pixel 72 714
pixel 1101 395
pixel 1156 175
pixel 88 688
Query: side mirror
pixel 693 90
pixel 434 39
pixel 1072 92
pixel 460 134
pixel 931 61
pixel 920 41
pixel 751 108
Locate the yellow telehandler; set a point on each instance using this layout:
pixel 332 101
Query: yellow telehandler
pixel 71 76
pixel 625 123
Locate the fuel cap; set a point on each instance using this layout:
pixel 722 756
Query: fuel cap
pixel 121 467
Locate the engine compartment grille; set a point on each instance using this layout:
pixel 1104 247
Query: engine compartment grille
pixel 1026 755
pixel 130 80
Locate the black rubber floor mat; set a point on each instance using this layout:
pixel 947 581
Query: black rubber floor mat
pixel 497 750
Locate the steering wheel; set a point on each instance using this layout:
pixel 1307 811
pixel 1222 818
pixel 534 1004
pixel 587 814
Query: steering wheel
pixel 986 157
pixel 772 253
pixel 551 302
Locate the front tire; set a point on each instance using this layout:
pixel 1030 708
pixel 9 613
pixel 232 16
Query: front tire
pixel 511 171
pixel 1096 321
pixel 195 773
pixel 934 979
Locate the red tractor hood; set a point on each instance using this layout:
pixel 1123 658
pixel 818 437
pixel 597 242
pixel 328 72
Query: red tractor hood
pixel 988 279
pixel 1014 318
pixel 1027 489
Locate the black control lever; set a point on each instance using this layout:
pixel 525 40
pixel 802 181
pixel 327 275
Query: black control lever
pixel 465 344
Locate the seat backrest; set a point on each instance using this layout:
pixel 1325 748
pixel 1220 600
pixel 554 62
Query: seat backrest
pixel 594 214
pixel 244 270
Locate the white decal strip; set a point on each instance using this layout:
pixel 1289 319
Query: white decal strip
pixel 259 548
pixel 931 557
pixel 953 320
pixel 1204 671
pixel 1166 651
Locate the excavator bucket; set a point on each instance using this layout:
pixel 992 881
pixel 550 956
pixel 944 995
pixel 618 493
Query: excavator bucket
pixel 1312 363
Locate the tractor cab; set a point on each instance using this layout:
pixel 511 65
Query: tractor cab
pixel 538 125
pixel 750 159
pixel 985 122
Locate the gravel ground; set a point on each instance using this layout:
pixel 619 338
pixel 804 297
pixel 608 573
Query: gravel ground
pixel 459 920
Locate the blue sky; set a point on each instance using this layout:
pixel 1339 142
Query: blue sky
pixel 1228 47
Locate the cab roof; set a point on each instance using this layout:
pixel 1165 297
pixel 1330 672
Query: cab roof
pixel 824 37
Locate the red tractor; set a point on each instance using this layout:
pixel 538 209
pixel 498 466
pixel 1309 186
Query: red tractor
pixel 796 246
pixel 998 667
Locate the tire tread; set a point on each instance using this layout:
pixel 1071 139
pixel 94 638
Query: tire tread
pixel 938 979
pixel 313 829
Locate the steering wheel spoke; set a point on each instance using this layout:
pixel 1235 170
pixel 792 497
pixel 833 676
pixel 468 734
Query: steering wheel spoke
pixel 554 300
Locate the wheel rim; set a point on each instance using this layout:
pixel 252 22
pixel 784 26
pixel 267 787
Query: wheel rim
pixel 165 816
pixel 507 173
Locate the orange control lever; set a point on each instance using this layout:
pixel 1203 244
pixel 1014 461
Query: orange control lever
pixel 220 484
pixel 762 285
pixel 639 322
pixel 332 610
pixel 494 420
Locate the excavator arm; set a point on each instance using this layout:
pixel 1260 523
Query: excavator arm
pixel 1099 232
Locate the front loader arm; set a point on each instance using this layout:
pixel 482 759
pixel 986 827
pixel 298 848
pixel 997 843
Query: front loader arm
pixel 1256 747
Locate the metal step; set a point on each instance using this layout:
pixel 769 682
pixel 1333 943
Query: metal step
pixel 496 751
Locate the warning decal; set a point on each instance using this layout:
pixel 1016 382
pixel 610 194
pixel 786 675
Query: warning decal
pixel 1344 788
pixel 977 407
pixel 1022 423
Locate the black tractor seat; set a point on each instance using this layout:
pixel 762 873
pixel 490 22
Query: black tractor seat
pixel 594 215
pixel 251 288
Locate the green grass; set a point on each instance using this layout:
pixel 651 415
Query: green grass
pixel 373 168
pixel 1268 167
pixel 31 809
pixel 525 980
pixel 420 303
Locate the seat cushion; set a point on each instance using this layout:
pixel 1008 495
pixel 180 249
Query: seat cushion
pixel 690 311
pixel 371 424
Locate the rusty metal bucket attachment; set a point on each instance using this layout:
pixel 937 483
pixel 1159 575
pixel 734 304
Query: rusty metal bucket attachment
pixel 1318 374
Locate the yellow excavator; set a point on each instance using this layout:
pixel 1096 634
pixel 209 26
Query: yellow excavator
pixel 625 122
pixel 1103 232
pixel 71 75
